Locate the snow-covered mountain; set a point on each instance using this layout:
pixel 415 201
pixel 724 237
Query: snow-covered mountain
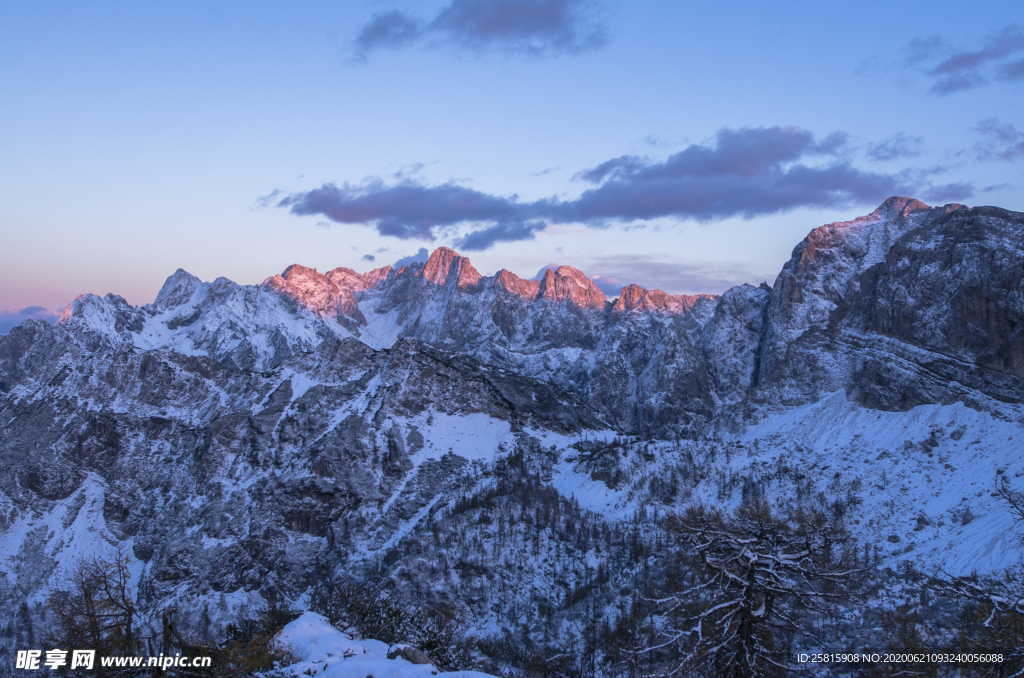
pixel 493 444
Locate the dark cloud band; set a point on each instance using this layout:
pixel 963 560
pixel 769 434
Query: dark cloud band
pixel 744 172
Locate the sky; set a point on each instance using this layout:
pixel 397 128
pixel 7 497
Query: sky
pixel 684 146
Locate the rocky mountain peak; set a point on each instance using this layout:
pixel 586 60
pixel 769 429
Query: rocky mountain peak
pixel 177 289
pixel 445 266
pixel 346 277
pixel 633 297
pixel 864 240
pixel 297 271
pixel 898 206
pixel 566 283
pixel 331 294
pixel 377 275
pixel 512 283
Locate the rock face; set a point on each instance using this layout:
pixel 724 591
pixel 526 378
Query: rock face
pixel 331 295
pixel 241 443
pixel 571 285
pixel 905 306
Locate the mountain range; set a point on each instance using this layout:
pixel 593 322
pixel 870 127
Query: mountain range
pixel 415 425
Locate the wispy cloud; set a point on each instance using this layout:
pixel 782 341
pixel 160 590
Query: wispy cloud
pixel 611 273
pixel 897 147
pixel 1000 140
pixel 387 30
pixel 949 192
pixel 746 172
pixel 531 27
pixel 952 69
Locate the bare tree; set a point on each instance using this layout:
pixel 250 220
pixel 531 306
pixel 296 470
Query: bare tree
pixel 994 617
pixel 753 582
pixel 1013 499
pixel 1001 597
pixel 372 609
pixel 98 609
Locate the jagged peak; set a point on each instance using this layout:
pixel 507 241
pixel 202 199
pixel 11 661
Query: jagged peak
pixel 567 283
pixel 512 283
pixel 375 276
pixel 346 277
pixel 77 305
pixel 299 270
pixel 571 272
pixel 898 206
pixel 177 289
pixel 633 297
pixel 341 276
pixel 564 271
pixel 328 294
pixel 445 265
pixel 630 297
pixel 892 215
pixel 894 209
pixel 109 315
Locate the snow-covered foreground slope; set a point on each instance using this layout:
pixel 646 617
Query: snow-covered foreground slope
pixel 317 648
pixel 923 481
pixel 916 486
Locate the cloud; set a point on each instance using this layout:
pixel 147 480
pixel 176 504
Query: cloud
pixel 957 82
pixel 387 30
pixel 921 50
pixel 898 146
pixel 530 27
pixel 745 172
pixel 500 232
pixel 611 273
pixel 1012 71
pixel 951 192
pixel 11 318
pixel 998 45
pixel 269 199
pixel 1000 141
pixel 952 69
pixel 368 257
pixel 407 209
pixel 740 152
pixel 610 168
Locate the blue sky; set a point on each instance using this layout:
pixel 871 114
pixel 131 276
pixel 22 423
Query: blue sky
pixel 140 138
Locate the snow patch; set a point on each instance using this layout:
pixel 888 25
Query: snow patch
pixel 322 650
